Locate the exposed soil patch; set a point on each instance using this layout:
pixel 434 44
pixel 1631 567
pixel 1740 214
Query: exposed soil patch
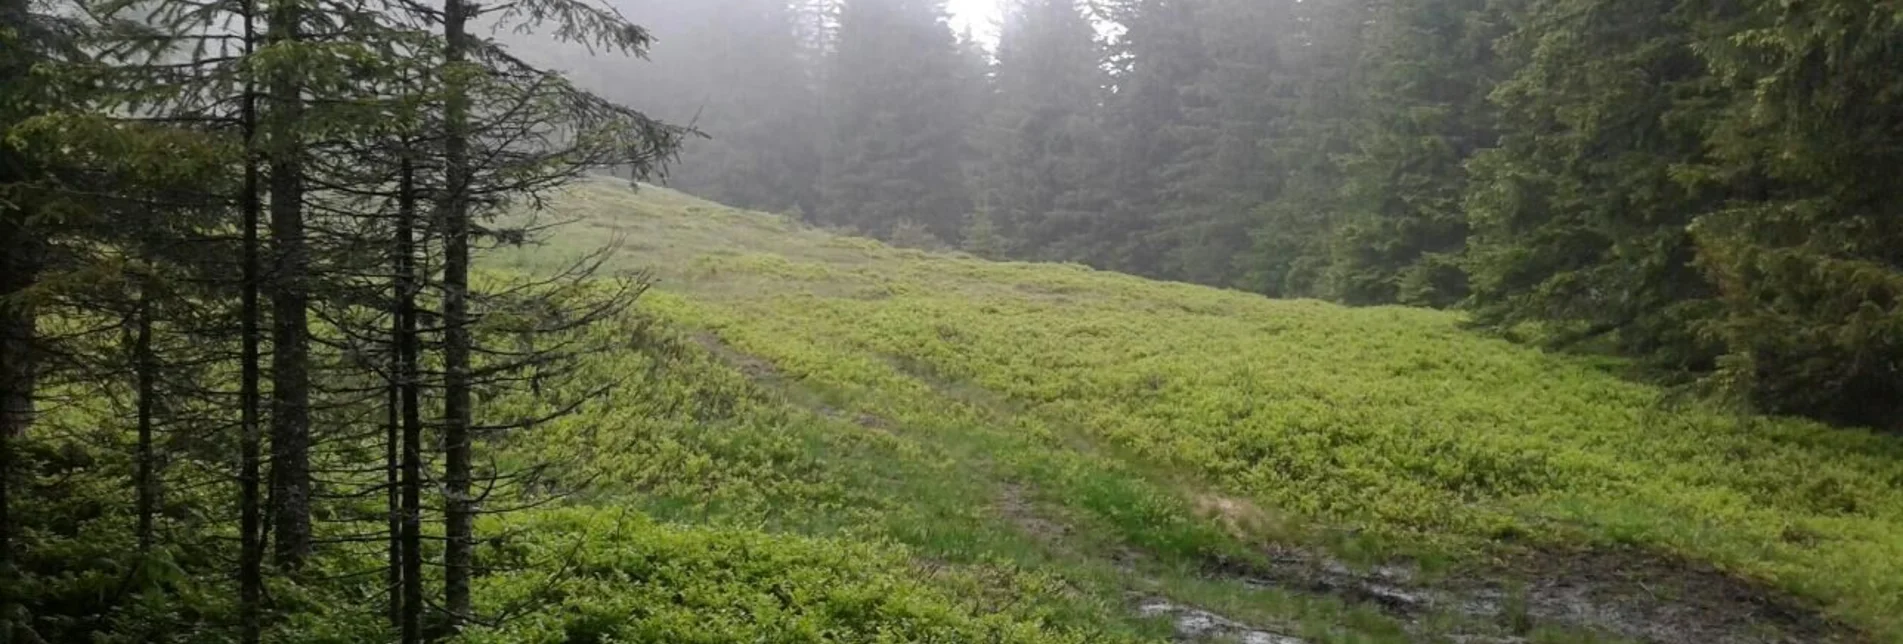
pixel 1241 517
pixel 873 422
pixel 1022 512
pixel 1629 594
pixel 1197 625
pixel 753 366
pixel 1666 600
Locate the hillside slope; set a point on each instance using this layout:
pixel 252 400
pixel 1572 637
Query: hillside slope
pixel 1299 468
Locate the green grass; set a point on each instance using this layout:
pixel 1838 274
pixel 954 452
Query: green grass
pixel 1032 419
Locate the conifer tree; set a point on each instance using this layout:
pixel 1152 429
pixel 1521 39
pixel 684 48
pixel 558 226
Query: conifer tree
pixel 1159 56
pixel 1579 216
pixel 1429 67
pixel 1230 111
pixel 510 133
pixel 1318 95
pixel 1806 262
pixel 18 270
pixel 1036 187
pixel 897 121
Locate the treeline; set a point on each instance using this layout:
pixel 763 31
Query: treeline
pixel 252 382
pixel 1698 185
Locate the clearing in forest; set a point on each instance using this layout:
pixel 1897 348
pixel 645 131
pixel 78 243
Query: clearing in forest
pixel 1092 456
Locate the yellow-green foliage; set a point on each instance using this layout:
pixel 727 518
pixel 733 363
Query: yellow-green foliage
pixel 624 579
pixel 1392 421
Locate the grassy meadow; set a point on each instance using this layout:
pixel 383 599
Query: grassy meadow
pixel 821 436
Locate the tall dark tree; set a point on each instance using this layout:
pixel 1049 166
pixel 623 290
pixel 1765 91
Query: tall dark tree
pixel 18 268
pixel 453 218
pixel 1579 216
pixel 250 315
pixel 897 121
pixel 1319 96
pixel 1036 188
pixel 290 292
pixel 19 259
pixel 1230 111
pixel 1808 264
pixel 1429 66
pixel 1155 61
pixel 510 133
pixel 406 433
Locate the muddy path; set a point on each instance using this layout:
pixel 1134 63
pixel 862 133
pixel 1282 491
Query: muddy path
pixel 1631 595
pixel 1597 595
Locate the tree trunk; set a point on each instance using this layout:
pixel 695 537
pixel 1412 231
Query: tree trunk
pixel 290 295
pixel 406 558
pixel 251 543
pixel 145 368
pixel 392 479
pixel 19 267
pixel 408 349
pixel 412 627
pixel 459 537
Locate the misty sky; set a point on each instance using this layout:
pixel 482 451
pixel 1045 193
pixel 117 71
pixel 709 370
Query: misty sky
pixel 979 14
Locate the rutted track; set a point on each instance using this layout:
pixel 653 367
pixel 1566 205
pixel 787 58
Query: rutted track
pixel 1623 594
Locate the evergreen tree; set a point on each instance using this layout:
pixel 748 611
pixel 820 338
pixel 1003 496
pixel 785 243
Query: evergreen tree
pixel 1154 62
pixel 1319 98
pixel 1036 188
pixel 290 287
pixel 1428 68
pixel 21 242
pixel 1806 261
pixel 1230 112
pixel 509 133
pixel 897 117
pixel 1579 217
pixel 19 269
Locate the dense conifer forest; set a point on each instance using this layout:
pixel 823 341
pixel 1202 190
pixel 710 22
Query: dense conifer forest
pixel 906 320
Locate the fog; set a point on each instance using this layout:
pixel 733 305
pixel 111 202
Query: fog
pixel 1603 170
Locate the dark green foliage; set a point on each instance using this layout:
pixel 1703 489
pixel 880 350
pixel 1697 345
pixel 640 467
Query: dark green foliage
pixel 1808 265
pixel 1579 217
pixel 629 580
pixel 1156 61
pixel 898 112
pixel 1428 65
pixel 1038 187
pixel 1229 110
pixel 1289 255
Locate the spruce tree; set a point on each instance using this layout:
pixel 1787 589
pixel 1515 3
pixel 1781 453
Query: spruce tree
pixel 1213 187
pixel 1155 61
pixel 897 121
pixel 1036 188
pixel 1805 260
pixel 1579 216
pixel 18 272
pixel 1319 97
pixel 1428 66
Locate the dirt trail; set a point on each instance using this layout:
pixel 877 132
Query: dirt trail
pixel 1629 595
